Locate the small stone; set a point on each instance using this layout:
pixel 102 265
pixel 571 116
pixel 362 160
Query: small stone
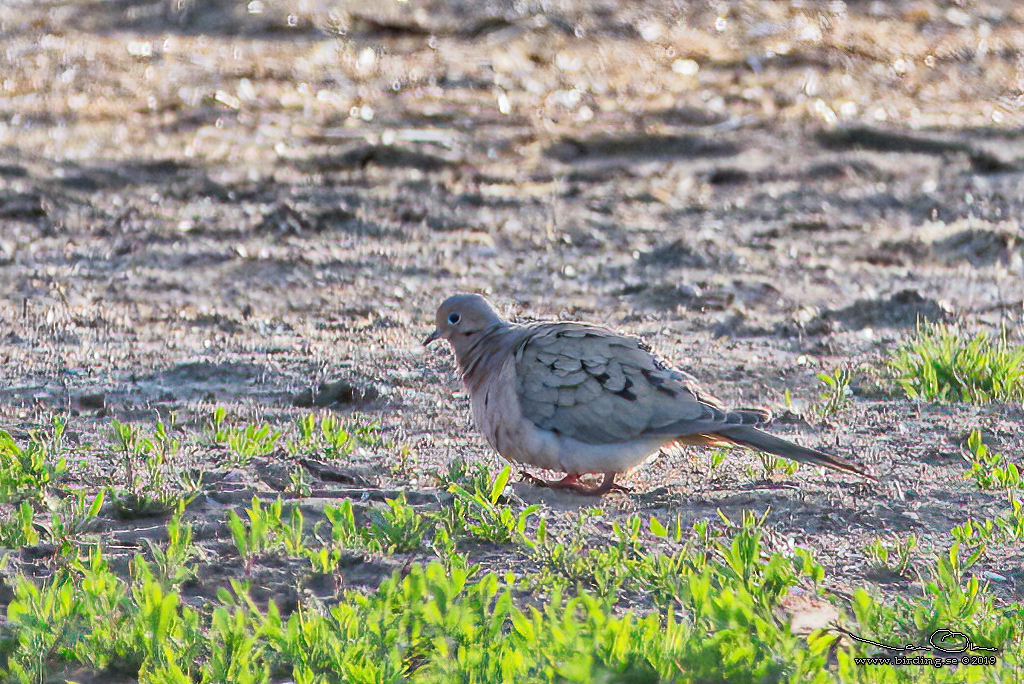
pixel 341 391
pixel 94 401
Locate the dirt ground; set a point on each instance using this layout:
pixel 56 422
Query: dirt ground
pixel 213 202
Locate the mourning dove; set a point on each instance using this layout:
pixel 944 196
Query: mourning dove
pixel 581 399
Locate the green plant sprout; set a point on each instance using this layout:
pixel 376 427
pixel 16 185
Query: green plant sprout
pixel 837 394
pixel 893 556
pixel 941 363
pixel 990 470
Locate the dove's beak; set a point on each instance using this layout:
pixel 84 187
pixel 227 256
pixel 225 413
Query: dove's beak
pixel 432 337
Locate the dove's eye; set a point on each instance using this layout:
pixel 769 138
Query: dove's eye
pixel 454 318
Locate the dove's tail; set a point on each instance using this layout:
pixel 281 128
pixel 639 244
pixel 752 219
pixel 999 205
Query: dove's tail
pixel 762 441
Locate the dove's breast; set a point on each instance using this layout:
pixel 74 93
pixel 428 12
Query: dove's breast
pixel 499 416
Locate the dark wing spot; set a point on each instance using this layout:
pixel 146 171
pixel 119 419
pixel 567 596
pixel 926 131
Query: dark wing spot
pixel 658 383
pixel 625 392
pixel 602 377
pixel 660 364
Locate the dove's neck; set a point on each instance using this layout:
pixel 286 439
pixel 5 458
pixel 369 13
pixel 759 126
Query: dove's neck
pixel 482 355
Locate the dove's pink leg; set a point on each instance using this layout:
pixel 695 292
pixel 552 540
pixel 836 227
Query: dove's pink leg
pixel 572 483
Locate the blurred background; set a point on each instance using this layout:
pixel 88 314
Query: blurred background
pixel 217 200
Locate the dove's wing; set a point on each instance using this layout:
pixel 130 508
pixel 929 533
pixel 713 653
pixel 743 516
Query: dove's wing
pixel 598 387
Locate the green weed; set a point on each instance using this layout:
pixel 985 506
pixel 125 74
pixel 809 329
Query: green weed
pixel 593 598
pixel 949 596
pixel 837 395
pixel 717 458
pixel 893 556
pixel 27 472
pixel 470 475
pixel 153 485
pixel 161 633
pixel 604 569
pixel 344 530
pixel 237 653
pixel 242 442
pixel 719 597
pixel 172 564
pixel 133 448
pixel 1003 529
pixel 46 622
pixel 18 529
pixel 941 363
pixel 72 522
pixel 298 484
pixel 480 514
pixel 990 470
pixel 266 531
pixel 398 528
pixel 328 437
pixel 771 464
pixel 345 534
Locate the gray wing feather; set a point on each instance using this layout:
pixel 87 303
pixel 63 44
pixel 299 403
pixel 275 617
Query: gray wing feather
pixel 598 387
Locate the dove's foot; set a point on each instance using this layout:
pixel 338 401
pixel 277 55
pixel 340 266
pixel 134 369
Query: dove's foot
pixel 573 484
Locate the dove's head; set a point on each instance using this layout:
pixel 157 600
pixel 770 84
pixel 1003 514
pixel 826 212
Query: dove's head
pixel 460 318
